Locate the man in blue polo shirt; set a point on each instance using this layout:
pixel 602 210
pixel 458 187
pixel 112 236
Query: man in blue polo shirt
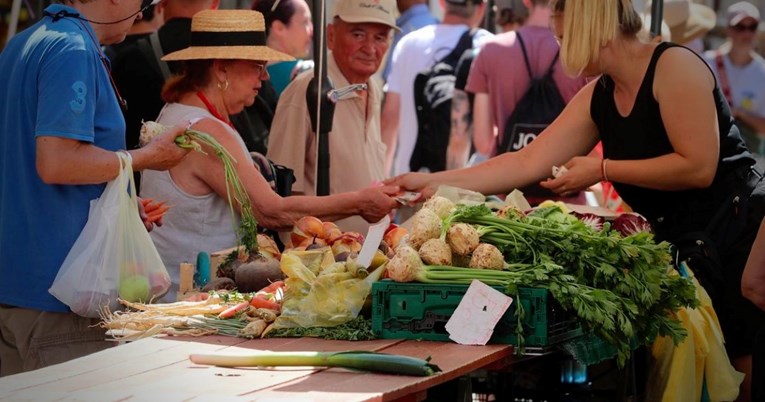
pixel 60 126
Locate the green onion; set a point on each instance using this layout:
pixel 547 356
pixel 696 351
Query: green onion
pixel 360 360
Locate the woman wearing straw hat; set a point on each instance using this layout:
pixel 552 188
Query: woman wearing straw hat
pixel 223 69
pixel 669 145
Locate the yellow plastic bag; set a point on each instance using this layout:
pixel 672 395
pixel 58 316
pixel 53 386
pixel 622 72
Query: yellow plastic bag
pixel 678 373
pixel 322 292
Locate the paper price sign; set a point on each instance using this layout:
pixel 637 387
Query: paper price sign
pixel 477 314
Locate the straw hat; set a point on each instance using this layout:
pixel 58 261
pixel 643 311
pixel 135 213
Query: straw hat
pixel 228 34
pixel 687 20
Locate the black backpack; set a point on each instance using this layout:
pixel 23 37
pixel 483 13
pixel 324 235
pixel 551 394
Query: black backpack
pixel 433 89
pixel 536 109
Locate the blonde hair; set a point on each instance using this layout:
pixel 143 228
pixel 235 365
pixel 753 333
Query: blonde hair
pixel 588 25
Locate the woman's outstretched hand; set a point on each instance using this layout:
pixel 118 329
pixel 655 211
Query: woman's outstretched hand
pixel 416 182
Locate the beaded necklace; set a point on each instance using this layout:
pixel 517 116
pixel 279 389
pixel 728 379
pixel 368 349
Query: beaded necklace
pixel 212 109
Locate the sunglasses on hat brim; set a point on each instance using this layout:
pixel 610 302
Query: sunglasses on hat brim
pixel 745 27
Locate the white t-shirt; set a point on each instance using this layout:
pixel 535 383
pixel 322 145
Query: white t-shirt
pixel 415 52
pixel 747 83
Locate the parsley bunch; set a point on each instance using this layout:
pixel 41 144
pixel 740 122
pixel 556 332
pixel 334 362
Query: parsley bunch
pixel 620 287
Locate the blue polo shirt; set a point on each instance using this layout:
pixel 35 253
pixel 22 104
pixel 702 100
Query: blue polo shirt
pixel 54 84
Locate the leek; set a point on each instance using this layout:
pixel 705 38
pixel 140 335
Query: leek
pixel 360 360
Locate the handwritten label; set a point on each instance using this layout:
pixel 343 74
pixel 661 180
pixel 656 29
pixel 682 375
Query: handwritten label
pixel 477 314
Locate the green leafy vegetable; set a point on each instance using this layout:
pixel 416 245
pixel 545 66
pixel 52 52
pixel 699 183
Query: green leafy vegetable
pixel 357 329
pixel 619 286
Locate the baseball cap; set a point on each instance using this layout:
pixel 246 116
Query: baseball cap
pixel 376 11
pixel 737 12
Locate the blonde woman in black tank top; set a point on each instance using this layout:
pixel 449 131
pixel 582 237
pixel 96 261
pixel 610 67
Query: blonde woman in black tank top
pixel 670 149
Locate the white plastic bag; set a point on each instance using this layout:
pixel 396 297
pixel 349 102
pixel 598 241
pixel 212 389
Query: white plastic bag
pixel 113 256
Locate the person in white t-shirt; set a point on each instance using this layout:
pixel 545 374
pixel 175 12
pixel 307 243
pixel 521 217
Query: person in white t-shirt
pixel 415 52
pixel 741 73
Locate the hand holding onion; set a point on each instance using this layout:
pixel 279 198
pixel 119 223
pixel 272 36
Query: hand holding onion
pixel 160 149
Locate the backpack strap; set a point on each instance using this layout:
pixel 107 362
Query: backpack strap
pixel 156 47
pixel 150 55
pixel 550 69
pixel 465 43
pixel 525 55
pixel 552 65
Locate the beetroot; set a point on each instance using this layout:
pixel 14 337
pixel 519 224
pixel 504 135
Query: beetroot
pixel 257 274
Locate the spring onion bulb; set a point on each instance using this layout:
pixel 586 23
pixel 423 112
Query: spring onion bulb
pixel 360 360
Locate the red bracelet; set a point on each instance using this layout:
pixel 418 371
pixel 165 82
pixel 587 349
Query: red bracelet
pixel 603 169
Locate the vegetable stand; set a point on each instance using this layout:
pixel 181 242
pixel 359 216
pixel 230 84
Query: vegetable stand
pixel 159 369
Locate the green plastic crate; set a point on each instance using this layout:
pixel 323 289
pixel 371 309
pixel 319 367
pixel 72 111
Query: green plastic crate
pixel 420 311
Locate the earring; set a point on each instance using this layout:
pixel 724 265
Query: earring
pixel 223 85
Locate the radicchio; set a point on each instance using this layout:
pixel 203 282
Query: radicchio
pixel 595 222
pixel 630 223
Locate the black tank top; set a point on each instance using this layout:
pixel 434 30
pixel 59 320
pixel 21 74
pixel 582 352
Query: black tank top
pixel 641 135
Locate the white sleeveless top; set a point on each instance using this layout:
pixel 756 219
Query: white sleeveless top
pixel 193 223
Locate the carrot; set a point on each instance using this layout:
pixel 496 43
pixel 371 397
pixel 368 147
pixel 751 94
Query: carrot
pixel 153 206
pixel 157 214
pixel 272 287
pixel 262 302
pixel 146 201
pixel 231 311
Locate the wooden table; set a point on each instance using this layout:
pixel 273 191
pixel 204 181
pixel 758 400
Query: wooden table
pixel 159 369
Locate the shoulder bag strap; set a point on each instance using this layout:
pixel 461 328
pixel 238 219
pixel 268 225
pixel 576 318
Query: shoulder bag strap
pixel 723 75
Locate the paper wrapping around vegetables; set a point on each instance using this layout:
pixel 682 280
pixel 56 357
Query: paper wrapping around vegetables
pixel 459 195
pixel 322 292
